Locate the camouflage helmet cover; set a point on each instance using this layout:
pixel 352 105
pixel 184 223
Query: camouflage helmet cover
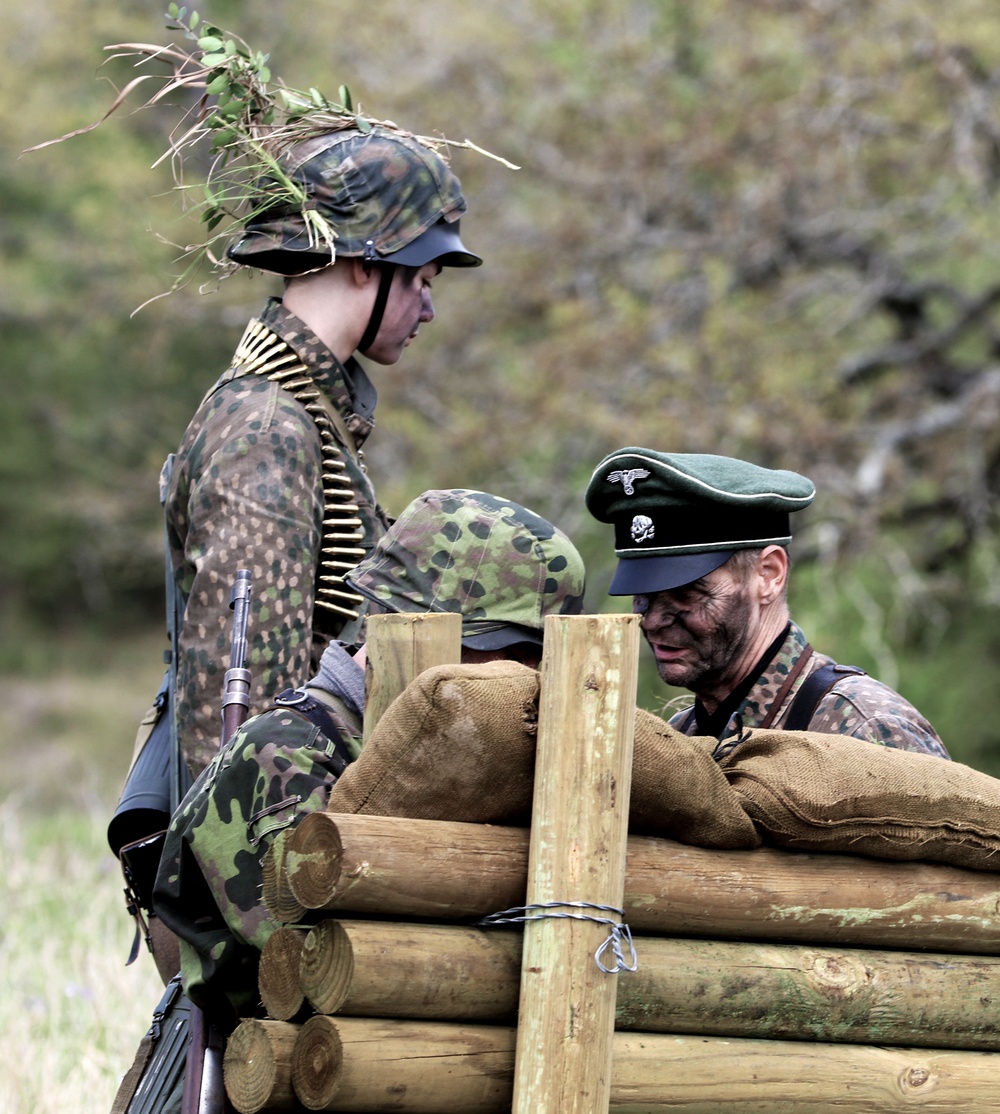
pixel 379 190
pixel 493 561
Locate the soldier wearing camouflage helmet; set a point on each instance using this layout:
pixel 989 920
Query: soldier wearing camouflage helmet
pixel 500 566
pixel 269 474
pixel 701 542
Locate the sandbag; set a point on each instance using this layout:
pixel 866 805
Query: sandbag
pixel 679 792
pixel 459 744
pixel 834 793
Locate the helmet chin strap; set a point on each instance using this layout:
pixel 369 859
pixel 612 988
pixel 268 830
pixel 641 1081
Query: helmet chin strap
pixel 381 298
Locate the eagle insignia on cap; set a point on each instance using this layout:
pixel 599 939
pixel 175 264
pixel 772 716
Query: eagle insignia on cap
pixel 627 478
pixel 642 529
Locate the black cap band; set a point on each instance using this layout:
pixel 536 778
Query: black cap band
pixel 673 529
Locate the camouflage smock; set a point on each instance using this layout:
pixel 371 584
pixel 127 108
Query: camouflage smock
pixel 277 768
pixel 857 705
pixel 262 481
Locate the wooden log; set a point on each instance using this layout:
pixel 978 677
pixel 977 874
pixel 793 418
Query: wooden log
pixel 398 649
pixel 276 892
pixel 441 870
pixel 366 1066
pixel 278 973
pixel 682 986
pixel 659 1074
pixel 579 830
pixel 371 864
pixel 789 991
pixel 431 972
pixel 257 1066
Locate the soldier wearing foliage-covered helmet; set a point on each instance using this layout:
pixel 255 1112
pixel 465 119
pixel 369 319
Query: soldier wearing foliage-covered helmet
pixel 270 473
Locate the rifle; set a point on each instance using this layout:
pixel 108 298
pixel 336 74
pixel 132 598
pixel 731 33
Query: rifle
pixel 204 1092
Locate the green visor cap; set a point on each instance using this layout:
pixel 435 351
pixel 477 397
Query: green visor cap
pixel 678 516
pixel 381 191
pixel 502 567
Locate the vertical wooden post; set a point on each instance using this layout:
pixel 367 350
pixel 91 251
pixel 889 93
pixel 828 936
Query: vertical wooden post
pixel 579 830
pixel 399 647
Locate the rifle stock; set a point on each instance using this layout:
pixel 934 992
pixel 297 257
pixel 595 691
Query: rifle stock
pixel 203 1087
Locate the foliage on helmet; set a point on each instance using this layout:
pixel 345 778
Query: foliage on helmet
pixel 249 122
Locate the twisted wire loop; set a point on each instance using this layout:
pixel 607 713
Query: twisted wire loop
pixel 539 911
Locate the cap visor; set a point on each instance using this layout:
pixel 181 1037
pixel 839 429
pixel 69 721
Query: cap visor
pixel 641 576
pixel 441 243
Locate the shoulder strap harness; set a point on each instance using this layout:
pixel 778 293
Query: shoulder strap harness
pixel 812 691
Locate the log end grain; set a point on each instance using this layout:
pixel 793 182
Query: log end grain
pixel 317 1060
pixel 277 896
pixel 314 853
pixel 278 974
pixel 326 967
pixel 257 1067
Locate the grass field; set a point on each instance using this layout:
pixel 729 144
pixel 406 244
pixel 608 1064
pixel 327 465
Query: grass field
pixel 71 1012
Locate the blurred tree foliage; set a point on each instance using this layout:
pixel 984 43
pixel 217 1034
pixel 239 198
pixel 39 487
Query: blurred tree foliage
pixel 760 229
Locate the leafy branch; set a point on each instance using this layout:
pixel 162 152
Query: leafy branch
pixel 248 122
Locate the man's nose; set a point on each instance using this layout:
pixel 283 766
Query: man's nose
pixel 426 307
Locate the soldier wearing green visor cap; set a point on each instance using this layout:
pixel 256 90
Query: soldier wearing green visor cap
pixel 500 566
pixel 702 546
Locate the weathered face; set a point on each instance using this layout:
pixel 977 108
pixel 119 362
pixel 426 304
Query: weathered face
pixel 699 633
pixel 409 306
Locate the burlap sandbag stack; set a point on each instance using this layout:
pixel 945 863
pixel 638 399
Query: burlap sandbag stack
pixel 834 793
pixel 459 744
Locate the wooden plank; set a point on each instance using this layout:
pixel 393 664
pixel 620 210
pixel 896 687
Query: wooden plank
pixel 441 870
pixel 579 829
pixel 398 649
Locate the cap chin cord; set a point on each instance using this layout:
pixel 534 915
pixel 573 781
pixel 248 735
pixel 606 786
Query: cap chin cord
pixel 381 298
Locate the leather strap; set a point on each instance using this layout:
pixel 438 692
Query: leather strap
pixel 793 675
pixel 813 689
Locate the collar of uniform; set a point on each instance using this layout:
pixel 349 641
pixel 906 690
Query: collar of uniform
pixel 771 677
pixel 347 386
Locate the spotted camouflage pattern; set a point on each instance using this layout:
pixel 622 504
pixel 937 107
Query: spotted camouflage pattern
pixel 477 554
pixel 380 186
pixel 246 492
pixel 277 769
pixel 857 705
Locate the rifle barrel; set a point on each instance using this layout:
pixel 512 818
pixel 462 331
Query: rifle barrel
pixel 236 684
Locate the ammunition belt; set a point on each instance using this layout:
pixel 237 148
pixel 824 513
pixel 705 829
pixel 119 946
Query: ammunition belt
pixel 261 352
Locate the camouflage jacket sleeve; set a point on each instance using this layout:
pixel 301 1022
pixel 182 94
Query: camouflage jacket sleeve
pixel 866 709
pixel 277 769
pixel 246 493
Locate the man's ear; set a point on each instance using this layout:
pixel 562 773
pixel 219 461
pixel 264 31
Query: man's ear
pixel 361 275
pixel 772 573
